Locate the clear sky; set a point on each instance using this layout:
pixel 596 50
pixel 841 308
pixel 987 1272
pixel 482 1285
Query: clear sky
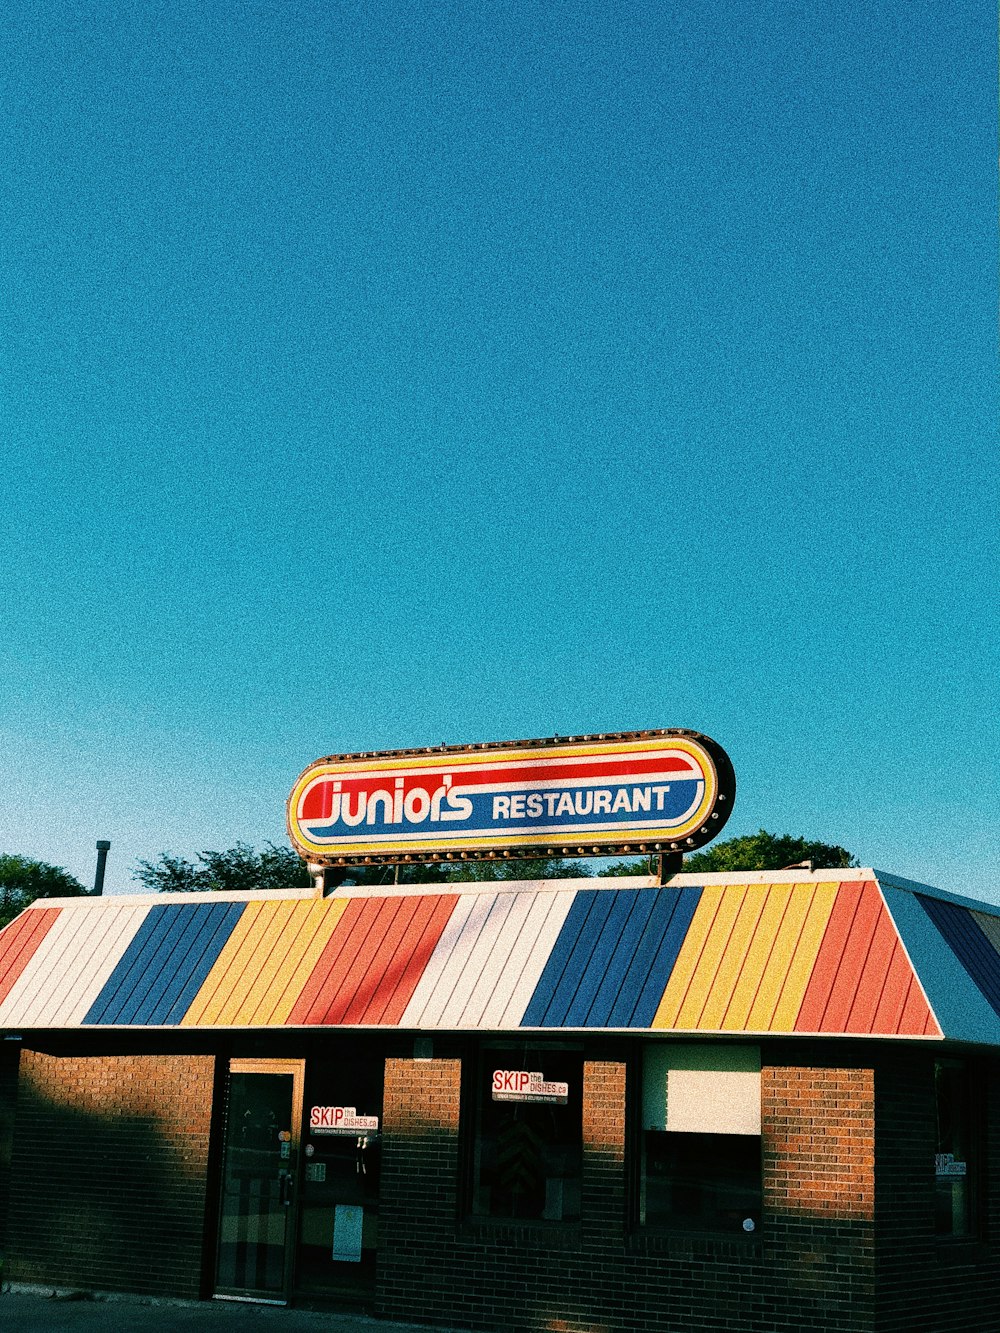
pixel 385 374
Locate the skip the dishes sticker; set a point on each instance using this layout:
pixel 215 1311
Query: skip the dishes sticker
pixel 518 1085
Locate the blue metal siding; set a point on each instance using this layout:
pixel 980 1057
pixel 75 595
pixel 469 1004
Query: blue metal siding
pixel 682 910
pixel 557 984
pixel 612 984
pixel 604 961
pixel 194 957
pixel 119 986
pixel 174 948
pixel 969 943
pixel 657 949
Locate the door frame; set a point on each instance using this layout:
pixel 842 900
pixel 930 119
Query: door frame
pixel 265 1065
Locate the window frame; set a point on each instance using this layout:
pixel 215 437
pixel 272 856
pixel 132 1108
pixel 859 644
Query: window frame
pixel 636 1149
pixel 475 1084
pixel 974 1089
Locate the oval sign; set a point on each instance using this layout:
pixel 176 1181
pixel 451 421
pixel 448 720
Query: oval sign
pixel 650 791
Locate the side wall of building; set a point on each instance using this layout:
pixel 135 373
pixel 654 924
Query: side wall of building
pixel 110 1181
pixel 109 1171
pixel 9 1060
pixel 812 1265
pixel 927 1283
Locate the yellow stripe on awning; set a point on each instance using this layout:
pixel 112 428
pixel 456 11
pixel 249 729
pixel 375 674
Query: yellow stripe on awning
pixel 684 968
pixel 775 969
pixel 758 952
pixel 278 1000
pixel 804 958
pixel 206 1001
pixel 732 957
pixel 257 948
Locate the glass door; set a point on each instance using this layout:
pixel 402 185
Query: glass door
pixel 339 1205
pixel 257 1217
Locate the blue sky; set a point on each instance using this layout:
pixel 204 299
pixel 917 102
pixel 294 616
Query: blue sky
pixel 388 374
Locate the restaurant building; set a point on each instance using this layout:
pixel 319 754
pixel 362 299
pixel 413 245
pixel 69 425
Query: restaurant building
pixel 763 1101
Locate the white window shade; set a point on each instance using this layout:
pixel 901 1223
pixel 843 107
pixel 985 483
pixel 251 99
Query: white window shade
pixel 709 1101
pixel 702 1089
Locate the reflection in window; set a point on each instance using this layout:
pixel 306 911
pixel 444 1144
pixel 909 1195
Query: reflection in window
pixel 954 1149
pixel 700 1159
pixel 528 1146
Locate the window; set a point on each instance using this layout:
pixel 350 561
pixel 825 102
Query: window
pixel 528 1144
pixel 954 1152
pixel 700 1154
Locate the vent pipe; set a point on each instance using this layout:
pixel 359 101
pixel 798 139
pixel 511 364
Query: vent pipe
pixel 103 847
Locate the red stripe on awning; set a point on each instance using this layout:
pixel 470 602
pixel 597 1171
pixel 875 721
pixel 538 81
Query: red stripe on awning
pixel 19 943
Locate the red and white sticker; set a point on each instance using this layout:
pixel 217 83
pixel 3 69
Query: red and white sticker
pixel 520 1085
pixel 340 1120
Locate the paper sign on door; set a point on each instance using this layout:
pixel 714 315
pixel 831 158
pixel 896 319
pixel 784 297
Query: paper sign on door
pixel 347 1221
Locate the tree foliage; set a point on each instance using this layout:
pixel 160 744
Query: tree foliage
pixel 238 868
pixel 465 872
pixel 242 868
pixel 768 851
pixel 469 872
pixel 22 880
pixel 753 851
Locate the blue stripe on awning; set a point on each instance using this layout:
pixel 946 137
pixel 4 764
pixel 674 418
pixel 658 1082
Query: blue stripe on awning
pixel 122 981
pixel 213 939
pixel 612 959
pixel 969 943
pixel 587 942
pixel 174 944
pixel 612 983
pixel 653 958
pixel 570 953
pixel 682 912
pixel 604 959
pixel 178 931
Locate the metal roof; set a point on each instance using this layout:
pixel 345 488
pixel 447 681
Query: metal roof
pixel 850 952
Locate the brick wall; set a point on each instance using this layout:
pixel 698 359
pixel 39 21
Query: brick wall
pixel 818 1128
pixel 420 1110
pixel 109 1170
pixel 810 1267
pixel 926 1283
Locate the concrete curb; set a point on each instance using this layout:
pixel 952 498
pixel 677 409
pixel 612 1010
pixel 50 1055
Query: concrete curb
pixel 45 1307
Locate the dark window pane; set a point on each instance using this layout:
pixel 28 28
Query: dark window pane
pixel 953 1151
pixel 528 1153
pixel 708 1182
pixel 258 1155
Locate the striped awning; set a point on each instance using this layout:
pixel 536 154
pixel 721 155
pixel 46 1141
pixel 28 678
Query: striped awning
pixel 785 952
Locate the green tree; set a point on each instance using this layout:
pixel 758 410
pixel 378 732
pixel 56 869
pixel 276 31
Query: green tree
pixel 625 868
pixel 466 872
pixel 22 880
pixel 768 851
pixel 238 868
pixel 242 868
pixel 753 851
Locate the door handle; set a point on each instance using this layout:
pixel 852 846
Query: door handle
pixel 285 1188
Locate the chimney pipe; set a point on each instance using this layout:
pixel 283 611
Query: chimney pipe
pixel 103 847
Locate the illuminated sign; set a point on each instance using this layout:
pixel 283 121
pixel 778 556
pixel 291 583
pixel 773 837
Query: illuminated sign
pixel 650 791
pixel 340 1120
pixel 518 1085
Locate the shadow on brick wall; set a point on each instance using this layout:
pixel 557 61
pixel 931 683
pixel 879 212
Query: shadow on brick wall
pixel 804 1271
pixel 105 1194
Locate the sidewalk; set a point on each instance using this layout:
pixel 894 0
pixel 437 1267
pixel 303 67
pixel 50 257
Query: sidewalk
pixel 31 1309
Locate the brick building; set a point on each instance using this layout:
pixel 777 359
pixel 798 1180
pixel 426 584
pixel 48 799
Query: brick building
pixel 761 1102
